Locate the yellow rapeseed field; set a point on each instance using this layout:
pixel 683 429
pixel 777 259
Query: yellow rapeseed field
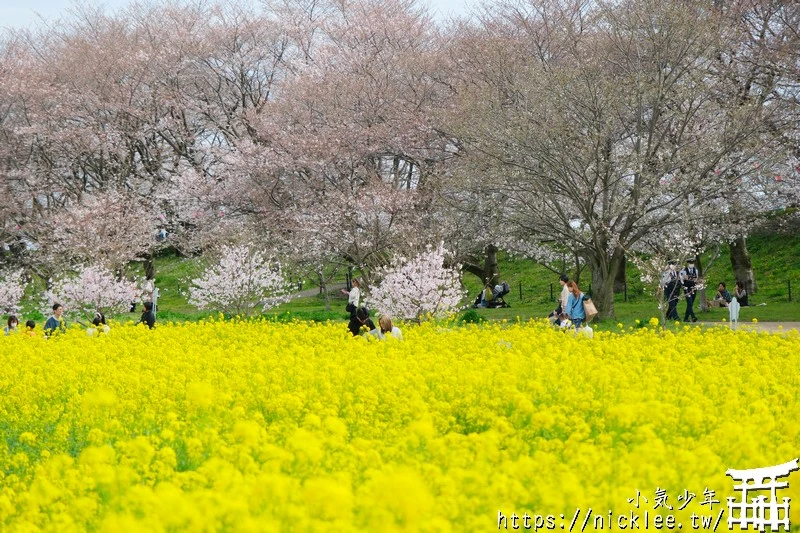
pixel 258 426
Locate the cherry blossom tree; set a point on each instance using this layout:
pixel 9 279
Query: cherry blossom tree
pixel 241 282
pixel 600 124
pixel 89 290
pixel 349 147
pixel 12 289
pixel 109 228
pixel 135 102
pixel 215 117
pixel 424 286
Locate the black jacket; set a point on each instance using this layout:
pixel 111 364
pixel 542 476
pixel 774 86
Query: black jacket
pixel 355 325
pixel 149 318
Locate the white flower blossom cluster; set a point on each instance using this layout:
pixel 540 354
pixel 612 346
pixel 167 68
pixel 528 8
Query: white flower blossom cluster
pixel 92 289
pixel 422 286
pixel 242 281
pixel 12 288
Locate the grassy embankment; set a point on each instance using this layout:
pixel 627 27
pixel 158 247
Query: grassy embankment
pixel 776 262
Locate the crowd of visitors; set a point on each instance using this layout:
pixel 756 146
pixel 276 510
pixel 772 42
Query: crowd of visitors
pixel 57 324
pixel 575 309
pixel 687 282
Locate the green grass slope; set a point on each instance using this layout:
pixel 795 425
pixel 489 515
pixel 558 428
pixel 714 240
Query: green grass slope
pixel 776 263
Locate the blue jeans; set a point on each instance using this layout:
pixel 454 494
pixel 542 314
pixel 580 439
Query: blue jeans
pixel 577 322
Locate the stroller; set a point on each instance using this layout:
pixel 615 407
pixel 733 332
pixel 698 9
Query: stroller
pixel 496 299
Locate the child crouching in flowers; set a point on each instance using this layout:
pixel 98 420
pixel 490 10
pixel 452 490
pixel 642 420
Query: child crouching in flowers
pixel 386 328
pixel 360 320
pixel 99 324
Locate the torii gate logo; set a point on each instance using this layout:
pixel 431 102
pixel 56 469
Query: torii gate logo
pixel 760 512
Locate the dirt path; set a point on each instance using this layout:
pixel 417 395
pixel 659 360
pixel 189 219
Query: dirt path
pixel 334 290
pixel 772 327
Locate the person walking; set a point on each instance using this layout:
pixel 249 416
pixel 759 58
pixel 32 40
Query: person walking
pixel 670 283
pixel 562 299
pixel 574 307
pixel 689 278
pixel 353 298
pixel 555 314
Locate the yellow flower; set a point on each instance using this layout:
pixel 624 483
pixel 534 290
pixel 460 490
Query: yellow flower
pixel 27 438
pixel 296 426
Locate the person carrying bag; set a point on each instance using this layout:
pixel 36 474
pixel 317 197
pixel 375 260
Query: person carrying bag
pixel 575 305
pixel 353 298
pixel 589 308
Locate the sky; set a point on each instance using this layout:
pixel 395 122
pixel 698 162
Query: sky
pixel 25 13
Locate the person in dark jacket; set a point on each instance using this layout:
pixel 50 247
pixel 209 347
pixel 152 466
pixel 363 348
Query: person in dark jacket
pixel 671 285
pixel 723 297
pixel 148 316
pixel 689 276
pixel 359 321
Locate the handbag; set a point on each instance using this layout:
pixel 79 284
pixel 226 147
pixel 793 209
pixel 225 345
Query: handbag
pixel 350 307
pixel 589 309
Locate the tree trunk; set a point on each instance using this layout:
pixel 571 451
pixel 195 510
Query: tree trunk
pixel 488 272
pixel 701 293
pixel 622 278
pixel 604 272
pixel 576 275
pixel 323 288
pixel 474 269
pixel 742 266
pixel 150 267
pixel 491 273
